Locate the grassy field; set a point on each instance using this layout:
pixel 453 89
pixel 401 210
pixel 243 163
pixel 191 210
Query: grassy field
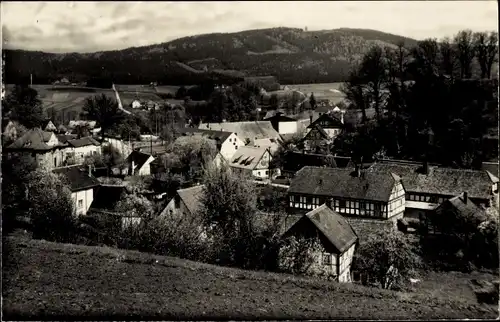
pixel 49 280
pixel 329 91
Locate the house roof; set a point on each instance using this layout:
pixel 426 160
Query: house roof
pixel 64 138
pixel 78 177
pixel 85 141
pixel 318 129
pixel 106 197
pixel 294 161
pixel 211 134
pixel 46 123
pixel 272 144
pixel 333 122
pixel 335 182
pixel 191 197
pixel 364 227
pixel 491 167
pixel 458 204
pixel 440 181
pixel 335 228
pixel 277 116
pixel 139 158
pixel 273 113
pixel 34 139
pixel 247 157
pixel 250 129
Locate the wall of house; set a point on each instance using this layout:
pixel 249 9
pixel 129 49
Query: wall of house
pixel 397 200
pixel 345 262
pixel 82 201
pixel 230 146
pixel 124 148
pixel 288 127
pixel 51 159
pixel 332 133
pixel 145 170
pixel 80 153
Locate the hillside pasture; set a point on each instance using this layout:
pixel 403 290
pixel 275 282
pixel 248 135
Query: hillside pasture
pixel 329 91
pixel 127 97
pixel 135 88
pixel 49 280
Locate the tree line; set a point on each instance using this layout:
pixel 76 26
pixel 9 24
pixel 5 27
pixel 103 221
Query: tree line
pixel 427 99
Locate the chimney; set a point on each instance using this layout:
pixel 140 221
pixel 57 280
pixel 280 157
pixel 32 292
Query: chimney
pixel 465 197
pixel 310 119
pixel 426 167
pixel 90 170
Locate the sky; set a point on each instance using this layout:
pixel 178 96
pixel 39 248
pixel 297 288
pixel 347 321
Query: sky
pixel 75 26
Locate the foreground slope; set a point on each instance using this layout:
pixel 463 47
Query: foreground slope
pixel 49 280
pixel 291 54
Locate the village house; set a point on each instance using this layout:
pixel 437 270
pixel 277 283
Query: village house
pixel 271 144
pixel 428 186
pixel 82 185
pixel 78 149
pixel 49 126
pixel 246 131
pixel 185 203
pixel 459 206
pixel 139 163
pixel 253 161
pixel 227 143
pixel 332 125
pixel 337 242
pixel 284 124
pixel 43 146
pixel 358 193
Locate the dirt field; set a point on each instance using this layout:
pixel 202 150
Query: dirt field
pixel 48 280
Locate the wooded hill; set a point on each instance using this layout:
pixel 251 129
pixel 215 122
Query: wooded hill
pixel 292 55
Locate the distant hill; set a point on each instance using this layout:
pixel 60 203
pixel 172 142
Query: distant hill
pixel 292 55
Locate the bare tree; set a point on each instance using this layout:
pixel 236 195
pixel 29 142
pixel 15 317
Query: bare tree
pixel 447 57
pixel 355 93
pixel 486 49
pixel 373 72
pixel 465 49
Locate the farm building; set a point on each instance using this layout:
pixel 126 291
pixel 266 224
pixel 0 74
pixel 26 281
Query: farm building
pixel 284 124
pixel 44 146
pixel 78 149
pixel 139 163
pixel 227 143
pixel 185 203
pixel 253 161
pixel 336 241
pixel 82 185
pixel 294 161
pixel 246 131
pixel 358 193
pixel 428 186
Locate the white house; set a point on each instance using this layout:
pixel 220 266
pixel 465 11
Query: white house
pixel 82 184
pixel 136 104
pixel 253 161
pixel 139 163
pixel 49 126
pixel 227 142
pixel 335 243
pixel 78 149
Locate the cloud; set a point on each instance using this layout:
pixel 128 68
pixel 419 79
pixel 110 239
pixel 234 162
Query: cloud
pixel 96 26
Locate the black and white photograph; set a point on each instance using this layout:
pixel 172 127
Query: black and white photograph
pixel 249 160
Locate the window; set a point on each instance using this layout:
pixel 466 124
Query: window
pixel 258 173
pixel 267 172
pixel 342 203
pixel 327 259
pixel 236 147
pixel 80 203
pixel 230 140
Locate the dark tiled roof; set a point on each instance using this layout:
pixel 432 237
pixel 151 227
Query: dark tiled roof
pixel 335 182
pixel 335 228
pixel 247 157
pixel 139 158
pixel 457 204
pixel 78 177
pixel 318 129
pixel 85 141
pixel 332 121
pixel 368 227
pixel 34 139
pixel 211 134
pixel 294 161
pixel 64 138
pixel 277 117
pixel 441 181
pixel 106 197
pixel 248 129
pixel 191 197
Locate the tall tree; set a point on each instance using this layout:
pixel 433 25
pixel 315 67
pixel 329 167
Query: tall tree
pixel 486 47
pixel 104 110
pixel 373 73
pixel 354 90
pixel 24 106
pixel 425 56
pixel 465 51
pixel 447 57
pixel 312 101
